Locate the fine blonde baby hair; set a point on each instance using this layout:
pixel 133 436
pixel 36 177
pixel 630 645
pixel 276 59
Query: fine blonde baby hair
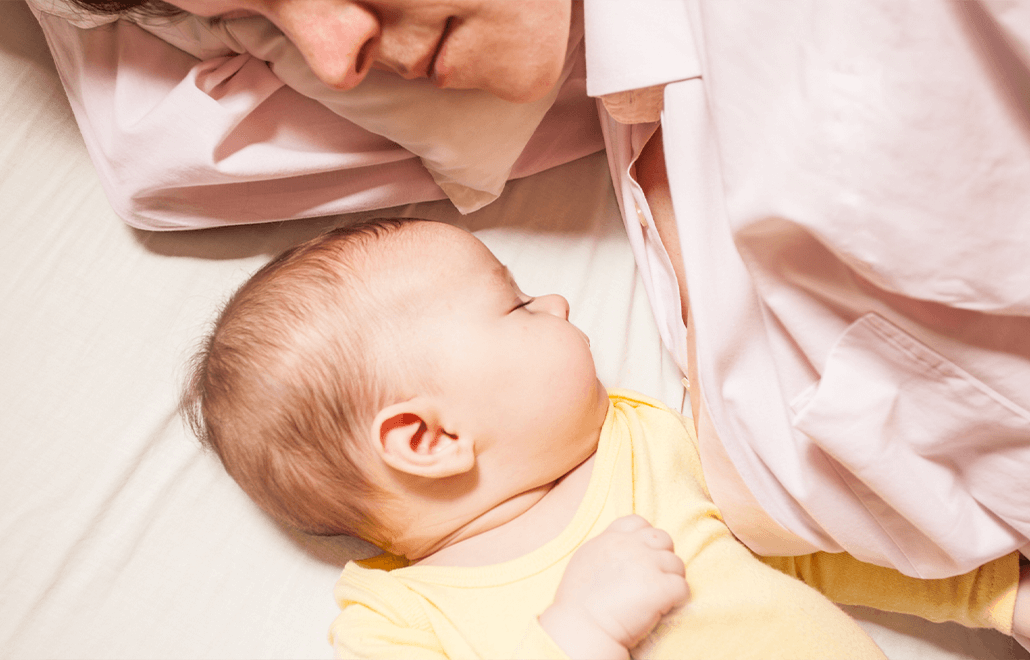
pixel 289 379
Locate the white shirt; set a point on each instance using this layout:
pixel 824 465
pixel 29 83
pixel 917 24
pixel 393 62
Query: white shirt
pixel 851 182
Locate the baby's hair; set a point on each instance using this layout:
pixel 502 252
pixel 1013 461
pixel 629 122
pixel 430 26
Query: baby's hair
pixel 289 380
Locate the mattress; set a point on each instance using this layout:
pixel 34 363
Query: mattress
pixel 119 536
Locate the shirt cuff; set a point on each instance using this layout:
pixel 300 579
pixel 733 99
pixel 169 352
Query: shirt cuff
pixel 631 45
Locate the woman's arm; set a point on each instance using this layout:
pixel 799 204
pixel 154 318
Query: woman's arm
pixel 135 95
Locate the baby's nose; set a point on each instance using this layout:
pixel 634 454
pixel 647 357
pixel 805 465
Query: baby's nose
pixel 554 304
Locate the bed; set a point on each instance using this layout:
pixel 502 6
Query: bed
pixel 119 536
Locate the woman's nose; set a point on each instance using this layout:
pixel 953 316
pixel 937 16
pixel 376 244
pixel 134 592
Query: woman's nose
pixel 339 39
pixel 555 305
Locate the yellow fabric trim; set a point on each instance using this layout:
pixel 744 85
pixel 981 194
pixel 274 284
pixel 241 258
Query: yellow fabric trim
pixel 383 562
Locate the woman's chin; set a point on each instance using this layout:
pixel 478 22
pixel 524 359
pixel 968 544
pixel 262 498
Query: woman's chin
pixel 526 89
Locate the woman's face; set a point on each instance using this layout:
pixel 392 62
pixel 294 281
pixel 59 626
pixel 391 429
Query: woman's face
pixel 514 49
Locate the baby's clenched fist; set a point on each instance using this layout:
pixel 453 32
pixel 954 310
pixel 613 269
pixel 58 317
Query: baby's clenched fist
pixel 614 591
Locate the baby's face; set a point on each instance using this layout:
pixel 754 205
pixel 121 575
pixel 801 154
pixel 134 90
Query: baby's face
pixel 517 373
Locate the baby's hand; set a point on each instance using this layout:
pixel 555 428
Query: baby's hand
pixel 615 589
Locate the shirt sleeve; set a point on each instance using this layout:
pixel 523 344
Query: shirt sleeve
pixel 538 644
pixel 983 598
pixel 361 632
pixel 257 150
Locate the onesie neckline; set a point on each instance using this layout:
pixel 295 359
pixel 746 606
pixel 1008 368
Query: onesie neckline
pixel 610 443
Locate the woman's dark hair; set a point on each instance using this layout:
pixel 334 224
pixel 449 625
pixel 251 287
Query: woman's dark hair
pixel 149 8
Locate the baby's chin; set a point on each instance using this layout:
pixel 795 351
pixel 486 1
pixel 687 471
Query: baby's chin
pixel 602 399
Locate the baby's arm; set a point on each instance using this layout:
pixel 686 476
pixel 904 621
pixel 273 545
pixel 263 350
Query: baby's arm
pixel 984 598
pixel 614 591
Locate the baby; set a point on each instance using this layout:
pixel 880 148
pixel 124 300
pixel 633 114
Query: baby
pixel 389 380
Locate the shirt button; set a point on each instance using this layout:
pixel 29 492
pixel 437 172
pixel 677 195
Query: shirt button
pixel 641 217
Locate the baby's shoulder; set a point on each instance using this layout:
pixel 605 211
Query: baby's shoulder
pixel 373 584
pixel 652 412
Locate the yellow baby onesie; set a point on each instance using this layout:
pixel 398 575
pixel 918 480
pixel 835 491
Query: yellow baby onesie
pixel 647 463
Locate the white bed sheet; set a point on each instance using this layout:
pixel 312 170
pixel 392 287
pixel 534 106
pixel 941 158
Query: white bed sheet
pixel 119 537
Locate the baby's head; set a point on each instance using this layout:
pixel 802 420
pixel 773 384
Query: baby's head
pixel 389 380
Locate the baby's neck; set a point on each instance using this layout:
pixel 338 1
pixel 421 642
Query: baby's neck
pixel 524 533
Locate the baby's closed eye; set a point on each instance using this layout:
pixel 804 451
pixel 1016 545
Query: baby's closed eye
pixel 523 304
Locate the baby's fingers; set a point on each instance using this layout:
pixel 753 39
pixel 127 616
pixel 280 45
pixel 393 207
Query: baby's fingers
pixel 672 579
pixel 656 539
pixel 668 592
pixel 669 562
pixel 629 524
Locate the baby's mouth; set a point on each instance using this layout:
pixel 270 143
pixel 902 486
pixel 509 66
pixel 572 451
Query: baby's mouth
pixel 586 338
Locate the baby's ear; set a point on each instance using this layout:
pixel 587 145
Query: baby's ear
pixel 410 439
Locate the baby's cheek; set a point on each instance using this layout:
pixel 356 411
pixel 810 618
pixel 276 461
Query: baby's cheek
pixel 580 374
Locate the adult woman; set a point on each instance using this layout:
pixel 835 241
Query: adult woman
pixel 859 353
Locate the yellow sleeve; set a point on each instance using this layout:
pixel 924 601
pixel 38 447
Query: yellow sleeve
pixel 361 632
pixel 536 643
pixel 381 617
pixel 984 598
